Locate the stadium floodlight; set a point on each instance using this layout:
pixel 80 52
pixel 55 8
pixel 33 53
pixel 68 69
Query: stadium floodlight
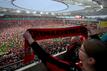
pixel 41 12
pixel 46 12
pixel 18 11
pixel 87 6
pixel 4 10
pixel 34 12
pixel 27 12
pixel 52 13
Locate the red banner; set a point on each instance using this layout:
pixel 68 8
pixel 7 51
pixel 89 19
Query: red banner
pixel 46 33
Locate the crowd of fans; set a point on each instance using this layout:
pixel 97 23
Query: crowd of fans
pixel 54 46
pixel 11 42
pixel 12 59
pixel 12 51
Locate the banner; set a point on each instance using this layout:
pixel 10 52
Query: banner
pixel 103 24
pixel 47 33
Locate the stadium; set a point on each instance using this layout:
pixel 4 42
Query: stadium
pixel 54 30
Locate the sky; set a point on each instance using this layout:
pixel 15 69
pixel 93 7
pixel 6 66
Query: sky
pixel 39 5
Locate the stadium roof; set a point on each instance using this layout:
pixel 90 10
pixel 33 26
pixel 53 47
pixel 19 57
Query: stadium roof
pixel 88 8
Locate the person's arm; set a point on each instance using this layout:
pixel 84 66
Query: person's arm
pixel 41 53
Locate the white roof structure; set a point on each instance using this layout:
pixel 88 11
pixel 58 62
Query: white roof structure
pixel 90 8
